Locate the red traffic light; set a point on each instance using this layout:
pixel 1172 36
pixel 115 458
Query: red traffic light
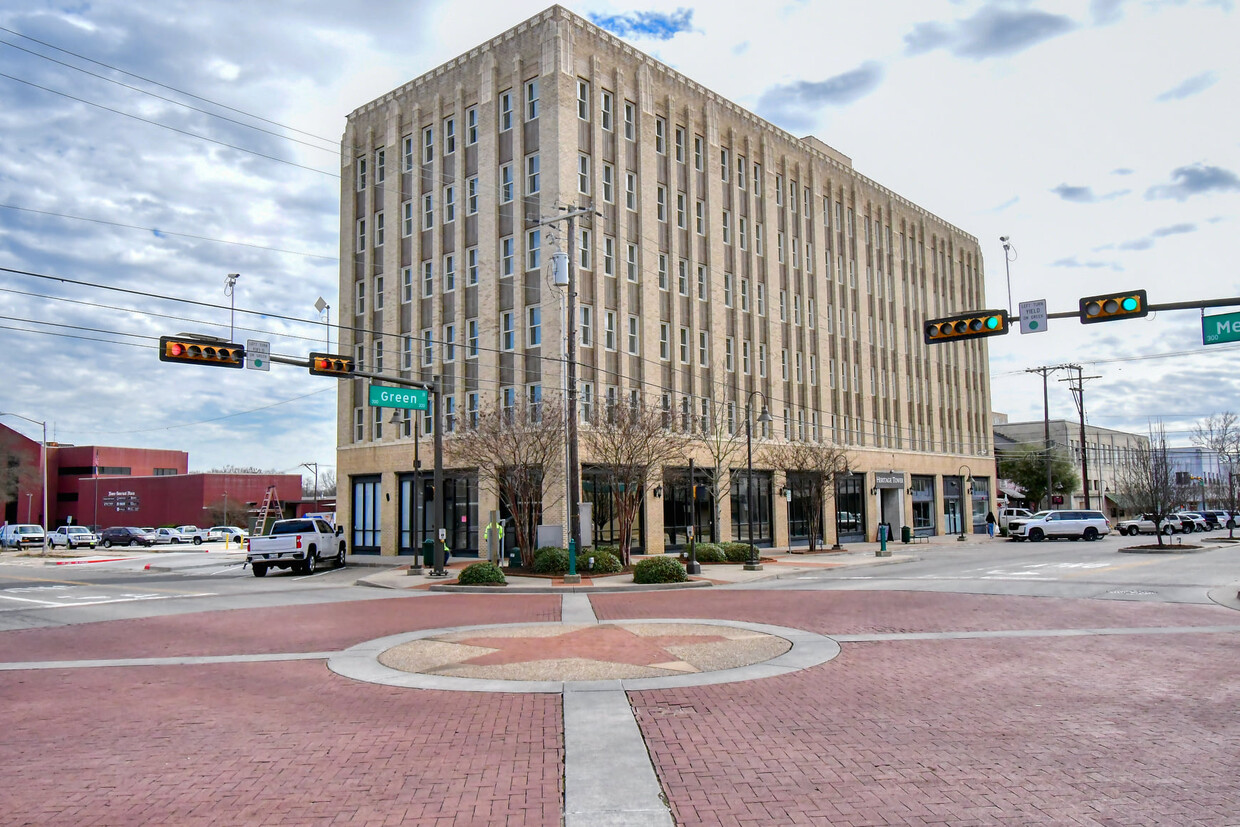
pixel 201 352
pixel 975 325
pixel 331 364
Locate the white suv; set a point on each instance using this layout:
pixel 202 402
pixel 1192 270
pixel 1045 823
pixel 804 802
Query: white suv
pixel 1074 525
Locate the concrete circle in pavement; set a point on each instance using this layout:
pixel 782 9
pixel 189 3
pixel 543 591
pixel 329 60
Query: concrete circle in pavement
pixel 566 657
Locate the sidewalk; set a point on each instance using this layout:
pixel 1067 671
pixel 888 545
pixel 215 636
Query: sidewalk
pixel 776 563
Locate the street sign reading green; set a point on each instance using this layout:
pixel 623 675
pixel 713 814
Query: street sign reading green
pixel 1222 328
pixel 414 398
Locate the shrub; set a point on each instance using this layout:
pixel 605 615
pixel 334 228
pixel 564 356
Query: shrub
pixel 661 569
pixel 604 562
pixel 736 552
pixel 709 553
pixel 550 560
pixel 481 574
pixel 614 551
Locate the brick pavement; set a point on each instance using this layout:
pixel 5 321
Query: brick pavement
pixel 1124 729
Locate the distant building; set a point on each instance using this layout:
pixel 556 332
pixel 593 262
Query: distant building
pixel 1106 451
pixel 106 486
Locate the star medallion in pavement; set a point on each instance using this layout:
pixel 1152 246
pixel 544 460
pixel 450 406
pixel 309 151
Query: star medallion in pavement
pixel 609 644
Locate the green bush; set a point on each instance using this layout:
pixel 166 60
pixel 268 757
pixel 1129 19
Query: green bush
pixel 604 562
pixel 736 552
pixel 709 553
pixel 614 551
pixel 550 560
pixel 481 574
pixel 661 569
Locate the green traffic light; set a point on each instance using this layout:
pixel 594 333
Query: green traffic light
pixel 1130 303
pixel 992 322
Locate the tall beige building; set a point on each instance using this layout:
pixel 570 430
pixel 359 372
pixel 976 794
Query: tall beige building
pixel 728 263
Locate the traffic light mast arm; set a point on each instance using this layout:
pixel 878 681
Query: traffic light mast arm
pixel 1188 305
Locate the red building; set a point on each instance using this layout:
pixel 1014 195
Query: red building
pixel 106 486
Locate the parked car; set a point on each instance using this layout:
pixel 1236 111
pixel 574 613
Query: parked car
pixel 22 535
pixel 155 537
pixel 124 536
pixel 73 536
pixel 170 535
pixel 222 533
pixel 192 534
pixel 1190 521
pixel 1218 519
pixel 1145 525
pixel 1006 515
pixel 1074 525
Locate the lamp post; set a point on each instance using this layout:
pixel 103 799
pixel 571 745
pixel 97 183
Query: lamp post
pixel 764 418
pixel 230 285
pixel 321 305
pixel 966 490
pixel 42 467
pixel 1009 255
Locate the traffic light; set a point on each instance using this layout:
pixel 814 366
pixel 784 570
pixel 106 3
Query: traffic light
pixel 1111 306
pixel 331 364
pixel 201 352
pixel 974 325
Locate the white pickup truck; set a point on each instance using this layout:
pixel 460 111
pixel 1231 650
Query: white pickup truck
pixel 297 544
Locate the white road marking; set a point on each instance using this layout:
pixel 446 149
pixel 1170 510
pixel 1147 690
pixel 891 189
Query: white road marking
pixel 98 600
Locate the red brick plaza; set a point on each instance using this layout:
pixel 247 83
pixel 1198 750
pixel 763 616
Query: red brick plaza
pixel 1040 725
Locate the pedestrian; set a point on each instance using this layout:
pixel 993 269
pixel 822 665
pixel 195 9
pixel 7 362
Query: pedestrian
pixel 990 523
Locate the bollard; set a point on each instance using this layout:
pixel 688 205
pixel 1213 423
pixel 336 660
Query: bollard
pixel 572 576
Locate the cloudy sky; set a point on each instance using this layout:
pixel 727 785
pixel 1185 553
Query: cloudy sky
pixel 149 149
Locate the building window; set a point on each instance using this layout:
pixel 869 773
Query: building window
pixel 428 347
pixel 471 338
pixel 507 255
pixel 449 343
pixel 505 110
pixel 359 300
pixel 665 344
pixel 449 136
pixel 471 266
pixel 727 289
pixel 703 349
pixel 583 174
pixel 428 211
pixel 727 227
pixel 660 136
pixel 745 362
pixel 609 329
pixel 700 216
pixel 378 292
pixel 360 173
pixel 584 250
pixel 428 144
pixel 630 190
pixel 606 107
pixel 633 338
pixel 680 145
pixel 406 221
pixel 471 126
pixel 631 262
pixel 681 220
pixel 609 187
pixel 449 273
pixel 662 271
pixel 701 282
pixel 587 325
pixel 583 99
pixel 698 161
pixel 609 256
pixel 507 333
pixel 531 99
pixel 406 353
pixel 380 166
pixel 531 174
pixel 361 235
pixel 630 111
pixel 406 153
pixel 505 184
pixel 729 354
pixel 745 295
pixel 725 163
pixel 660 203
pixel 533 249
pixel 449 204
pixel 406 285
pixel 471 409
pixel 359 424
pixel 428 280
pixel 533 326
pixel 684 345
pixel 682 277
pixel 379 229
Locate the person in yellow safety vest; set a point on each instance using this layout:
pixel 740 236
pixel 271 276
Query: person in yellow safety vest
pixel 499 536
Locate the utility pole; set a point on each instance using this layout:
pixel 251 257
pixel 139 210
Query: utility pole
pixel 573 482
pixel 1046 422
pixel 1078 396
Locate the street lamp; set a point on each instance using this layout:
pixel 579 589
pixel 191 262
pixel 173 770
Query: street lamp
pixel 765 417
pixel 42 466
pixel 321 305
pixel 966 489
pixel 230 286
pixel 1009 255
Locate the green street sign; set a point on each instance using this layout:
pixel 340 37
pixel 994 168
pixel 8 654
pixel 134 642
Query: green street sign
pixel 384 397
pixel 1215 330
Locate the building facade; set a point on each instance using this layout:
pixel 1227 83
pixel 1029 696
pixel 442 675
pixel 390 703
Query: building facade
pixel 1106 453
pixel 726 266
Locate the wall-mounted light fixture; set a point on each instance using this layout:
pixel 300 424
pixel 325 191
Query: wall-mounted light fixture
pixel 658 491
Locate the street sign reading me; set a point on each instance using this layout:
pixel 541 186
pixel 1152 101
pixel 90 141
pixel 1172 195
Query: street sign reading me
pixel 1215 330
pixel 412 398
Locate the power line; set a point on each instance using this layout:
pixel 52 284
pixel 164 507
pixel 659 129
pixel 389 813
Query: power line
pixel 165 86
pixel 171 128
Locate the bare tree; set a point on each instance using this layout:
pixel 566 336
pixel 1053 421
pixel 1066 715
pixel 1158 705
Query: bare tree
pixel 519 453
pixel 326 484
pixel 1147 483
pixel 822 463
pixel 630 442
pixel 1220 434
pixel 724 444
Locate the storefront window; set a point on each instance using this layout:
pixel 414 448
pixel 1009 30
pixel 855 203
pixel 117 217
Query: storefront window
pixel 981 503
pixel 761 500
pixel 802 506
pixel 364 513
pixel 680 509
pixel 596 490
pixel 923 505
pixel 850 507
pixel 460 515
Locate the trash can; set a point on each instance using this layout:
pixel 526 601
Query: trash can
pixel 428 553
pixel 514 557
pixel 906 534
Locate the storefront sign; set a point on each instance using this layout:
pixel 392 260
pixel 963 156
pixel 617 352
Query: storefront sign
pixel 889 480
